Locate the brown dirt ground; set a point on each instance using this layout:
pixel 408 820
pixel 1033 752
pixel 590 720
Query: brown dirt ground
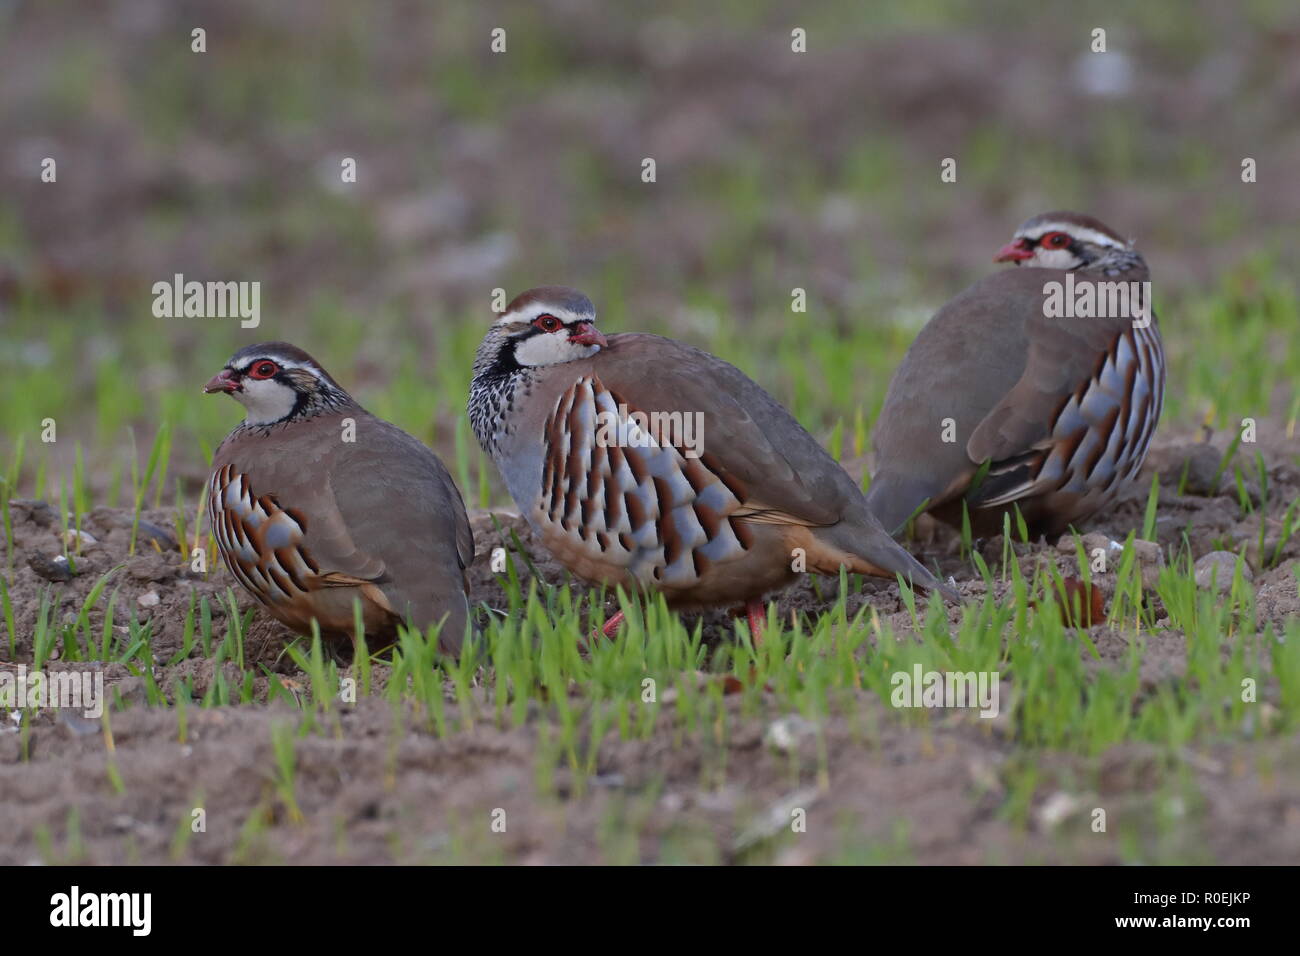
pixel 383 788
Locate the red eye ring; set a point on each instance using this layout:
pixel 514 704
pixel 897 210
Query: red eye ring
pixel 548 323
pixel 264 368
pixel 1055 240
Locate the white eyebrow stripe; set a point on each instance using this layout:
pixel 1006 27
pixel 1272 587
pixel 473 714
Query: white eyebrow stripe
pixel 540 308
pixel 283 363
pixel 1077 231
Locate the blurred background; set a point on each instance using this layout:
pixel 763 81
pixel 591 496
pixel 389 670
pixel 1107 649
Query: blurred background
pixel 475 170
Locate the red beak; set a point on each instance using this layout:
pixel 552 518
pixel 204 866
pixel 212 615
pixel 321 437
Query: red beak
pixel 1014 251
pixel 588 334
pixel 224 381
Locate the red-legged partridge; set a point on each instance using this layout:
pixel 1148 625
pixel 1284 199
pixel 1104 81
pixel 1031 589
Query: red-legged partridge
pixel 315 502
pixel 643 462
pixel 1060 407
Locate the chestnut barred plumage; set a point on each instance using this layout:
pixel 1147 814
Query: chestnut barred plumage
pixel 727 527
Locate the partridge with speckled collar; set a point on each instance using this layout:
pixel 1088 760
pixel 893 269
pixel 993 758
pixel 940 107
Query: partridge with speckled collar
pixel 577 423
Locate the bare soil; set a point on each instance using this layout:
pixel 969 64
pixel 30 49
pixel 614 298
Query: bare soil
pixel 381 787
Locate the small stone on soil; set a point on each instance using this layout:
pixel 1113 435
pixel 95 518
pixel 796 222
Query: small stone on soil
pixel 784 734
pixel 1056 809
pixel 1091 542
pixel 1217 569
pixel 75 538
pixel 54 569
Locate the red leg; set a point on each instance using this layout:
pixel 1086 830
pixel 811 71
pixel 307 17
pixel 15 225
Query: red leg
pixel 609 630
pixel 612 625
pixel 756 612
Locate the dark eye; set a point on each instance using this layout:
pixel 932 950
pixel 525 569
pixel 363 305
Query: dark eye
pixel 548 323
pixel 1055 240
pixel 263 369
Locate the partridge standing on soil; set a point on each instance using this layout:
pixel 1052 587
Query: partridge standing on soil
pixel 1061 408
pixel 315 502
pixel 622 498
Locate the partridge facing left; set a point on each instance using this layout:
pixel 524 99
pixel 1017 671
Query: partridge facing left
pixel 582 426
pixel 1057 409
pixel 315 502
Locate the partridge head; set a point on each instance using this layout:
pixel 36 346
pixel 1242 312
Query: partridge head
pixel 316 504
pixel 1069 241
pixel 1037 388
pixel 646 463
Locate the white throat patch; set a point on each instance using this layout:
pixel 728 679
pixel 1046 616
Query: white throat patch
pixel 552 349
pixel 266 400
pixel 1055 258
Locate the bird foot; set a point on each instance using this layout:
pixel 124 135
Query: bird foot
pixel 612 625
pixel 609 630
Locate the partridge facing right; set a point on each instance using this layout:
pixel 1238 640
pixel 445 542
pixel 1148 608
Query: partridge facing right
pixel 624 500
pixel 1060 408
